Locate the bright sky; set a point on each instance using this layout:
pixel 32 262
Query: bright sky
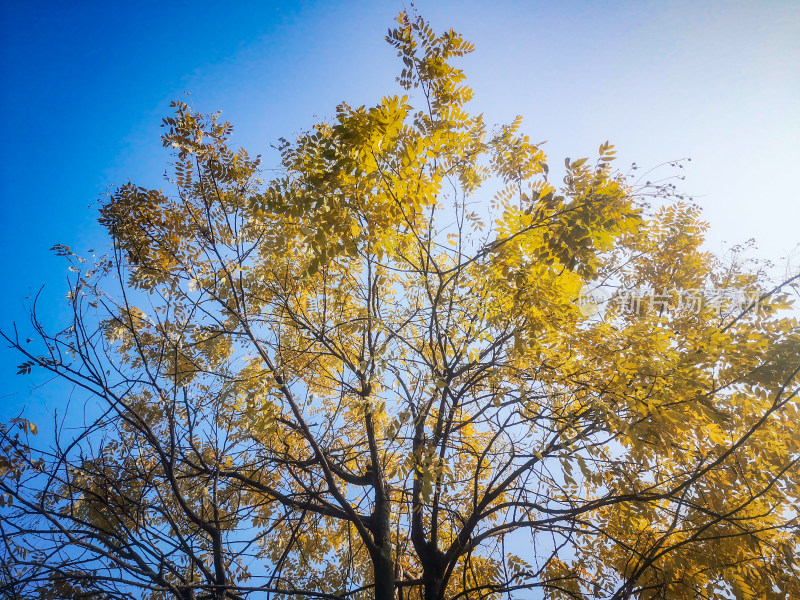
pixel 85 84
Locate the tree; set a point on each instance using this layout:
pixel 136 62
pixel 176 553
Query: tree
pixel 362 380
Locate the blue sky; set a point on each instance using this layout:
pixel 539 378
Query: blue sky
pixel 85 85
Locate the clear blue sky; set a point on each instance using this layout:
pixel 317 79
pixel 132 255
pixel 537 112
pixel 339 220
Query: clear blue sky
pixel 85 84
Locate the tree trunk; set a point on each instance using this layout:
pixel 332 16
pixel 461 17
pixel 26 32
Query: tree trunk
pixel 382 559
pixel 433 571
pixel 383 569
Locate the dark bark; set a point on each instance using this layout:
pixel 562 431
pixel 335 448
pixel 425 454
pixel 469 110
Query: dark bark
pixel 382 559
pixel 434 567
pixel 381 551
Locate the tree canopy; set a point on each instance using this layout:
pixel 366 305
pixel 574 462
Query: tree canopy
pixel 372 376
